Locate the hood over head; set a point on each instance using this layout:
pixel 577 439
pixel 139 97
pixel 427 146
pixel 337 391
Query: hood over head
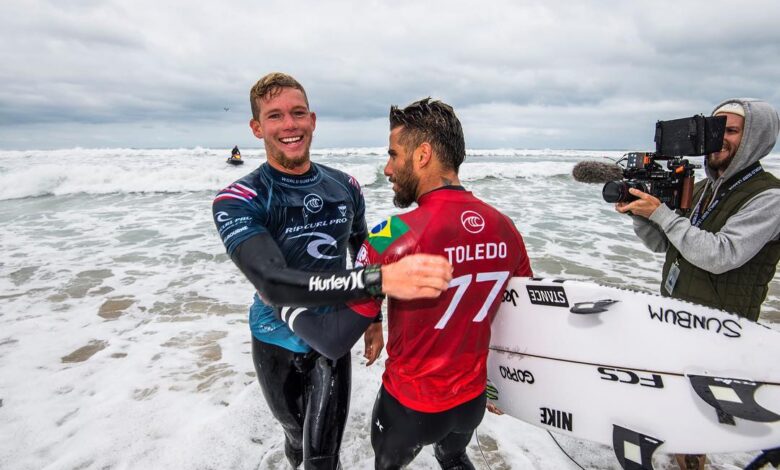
pixel 758 136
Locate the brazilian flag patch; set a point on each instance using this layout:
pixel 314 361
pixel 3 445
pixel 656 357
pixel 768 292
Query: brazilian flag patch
pixel 386 232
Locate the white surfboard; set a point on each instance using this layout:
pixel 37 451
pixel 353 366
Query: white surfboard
pixel 635 371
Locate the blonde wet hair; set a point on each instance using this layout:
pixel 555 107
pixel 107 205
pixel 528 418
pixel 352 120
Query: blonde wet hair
pixel 270 86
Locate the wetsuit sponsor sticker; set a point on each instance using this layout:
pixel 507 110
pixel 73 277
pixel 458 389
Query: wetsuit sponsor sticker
pixel 319 241
pixel 349 282
pixel 313 203
pixel 362 257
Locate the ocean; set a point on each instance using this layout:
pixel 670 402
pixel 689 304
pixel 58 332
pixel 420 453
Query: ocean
pixel 123 325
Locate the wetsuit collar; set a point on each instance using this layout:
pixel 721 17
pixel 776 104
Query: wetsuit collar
pixel 450 187
pixel 454 187
pixel 305 179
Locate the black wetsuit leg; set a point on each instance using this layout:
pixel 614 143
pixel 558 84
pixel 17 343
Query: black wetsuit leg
pixel 451 451
pixel 327 407
pixel 283 386
pixel 309 395
pixel 399 433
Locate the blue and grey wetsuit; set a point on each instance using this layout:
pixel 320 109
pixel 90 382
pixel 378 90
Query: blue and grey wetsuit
pixel 312 218
pixel 282 230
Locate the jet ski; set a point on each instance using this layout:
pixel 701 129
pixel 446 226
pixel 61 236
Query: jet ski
pixel 235 157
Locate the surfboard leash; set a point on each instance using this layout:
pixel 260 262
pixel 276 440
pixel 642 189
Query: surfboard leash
pixel 476 436
pixel 564 452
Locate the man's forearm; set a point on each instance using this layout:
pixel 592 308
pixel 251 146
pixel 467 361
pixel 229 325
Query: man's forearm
pixel 743 235
pixel 261 261
pixel 332 334
pixel 650 234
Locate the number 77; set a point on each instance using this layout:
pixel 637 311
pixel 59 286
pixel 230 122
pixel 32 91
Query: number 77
pixel 462 283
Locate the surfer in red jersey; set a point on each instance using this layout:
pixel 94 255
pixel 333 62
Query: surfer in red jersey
pixel 433 387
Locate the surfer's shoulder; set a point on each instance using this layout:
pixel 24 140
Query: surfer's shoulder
pixel 387 233
pixel 345 179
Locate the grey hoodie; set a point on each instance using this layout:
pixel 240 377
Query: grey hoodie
pixel 745 232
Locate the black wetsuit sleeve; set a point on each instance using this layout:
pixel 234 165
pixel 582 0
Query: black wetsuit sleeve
pixel 332 334
pixel 359 231
pixel 263 263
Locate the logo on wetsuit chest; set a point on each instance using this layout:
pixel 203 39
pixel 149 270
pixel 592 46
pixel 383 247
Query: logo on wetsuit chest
pixel 319 241
pixel 313 203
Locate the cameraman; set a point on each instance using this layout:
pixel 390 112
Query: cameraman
pixel 722 253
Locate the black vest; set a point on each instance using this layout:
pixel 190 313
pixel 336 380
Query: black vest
pixel 743 289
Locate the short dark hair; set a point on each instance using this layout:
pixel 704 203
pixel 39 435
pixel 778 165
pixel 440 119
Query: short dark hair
pixel 269 86
pixel 434 122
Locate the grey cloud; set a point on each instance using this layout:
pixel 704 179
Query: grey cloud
pixel 536 73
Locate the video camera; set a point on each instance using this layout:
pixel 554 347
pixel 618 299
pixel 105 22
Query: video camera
pixel 696 135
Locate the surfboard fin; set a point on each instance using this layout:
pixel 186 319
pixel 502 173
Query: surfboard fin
pixel 732 397
pixel 592 307
pixel 633 450
pixel 767 457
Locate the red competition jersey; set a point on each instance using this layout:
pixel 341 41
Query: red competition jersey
pixel 437 348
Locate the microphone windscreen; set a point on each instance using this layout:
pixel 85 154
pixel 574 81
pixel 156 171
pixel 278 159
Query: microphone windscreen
pixel 596 172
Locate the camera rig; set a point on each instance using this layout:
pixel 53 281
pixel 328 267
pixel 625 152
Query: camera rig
pixel 675 139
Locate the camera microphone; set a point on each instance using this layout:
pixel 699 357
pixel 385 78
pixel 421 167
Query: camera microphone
pixel 596 172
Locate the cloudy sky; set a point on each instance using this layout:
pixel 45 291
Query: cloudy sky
pixel 520 73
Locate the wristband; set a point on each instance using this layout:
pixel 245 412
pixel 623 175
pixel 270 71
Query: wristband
pixel 372 279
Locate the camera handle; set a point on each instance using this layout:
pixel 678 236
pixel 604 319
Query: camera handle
pixel 686 196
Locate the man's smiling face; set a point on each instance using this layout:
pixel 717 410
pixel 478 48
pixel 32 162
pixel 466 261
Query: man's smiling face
pixel 286 126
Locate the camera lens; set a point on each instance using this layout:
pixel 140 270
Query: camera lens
pixel 617 191
pixel 614 191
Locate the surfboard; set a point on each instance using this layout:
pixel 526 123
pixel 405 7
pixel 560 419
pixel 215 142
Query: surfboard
pixel 635 371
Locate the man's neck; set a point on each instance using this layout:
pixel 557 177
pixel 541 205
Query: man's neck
pixel 437 181
pixel 299 169
pixel 450 181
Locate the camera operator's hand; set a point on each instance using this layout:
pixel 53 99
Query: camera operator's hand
pixel 644 206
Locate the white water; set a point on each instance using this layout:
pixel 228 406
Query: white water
pixel 123 336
